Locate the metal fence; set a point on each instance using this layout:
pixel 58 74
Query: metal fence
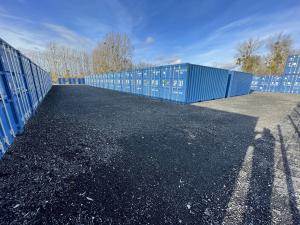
pixel 23 85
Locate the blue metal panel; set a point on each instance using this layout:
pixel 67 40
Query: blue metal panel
pixel 179 77
pixel 166 82
pixel 264 83
pixel 147 81
pixel 287 84
pixel 110 81
pixel 37 80
pixel 30 80
pixel 117 81
pixel 206 83
pixel 292 66
pixel 274 84
pixel 239 83
pixel 22 86
pixel 255 83
pixel 126 81
pixel 106 84
pixel 155 82
pixel 139 81
pixel 296 85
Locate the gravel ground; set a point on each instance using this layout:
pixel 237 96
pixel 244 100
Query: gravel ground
pixel 93 156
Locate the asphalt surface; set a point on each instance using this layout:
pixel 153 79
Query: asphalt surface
pixel 94 156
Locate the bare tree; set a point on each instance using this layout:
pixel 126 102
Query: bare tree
pixel 280 47
pixel 247 56
pixel 113 53
pixel 62 61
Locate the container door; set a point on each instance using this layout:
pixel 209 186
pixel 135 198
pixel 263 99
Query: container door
pixel 296 85
pixel 166 82
pixel 147 82
pixel 178 85
pixel 287 84
pixel 139 81
pixel 155 82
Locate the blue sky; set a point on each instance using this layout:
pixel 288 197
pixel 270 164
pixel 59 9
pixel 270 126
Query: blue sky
pixel 162 31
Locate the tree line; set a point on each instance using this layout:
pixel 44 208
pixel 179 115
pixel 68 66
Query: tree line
pixel 115 53
pixel 265 57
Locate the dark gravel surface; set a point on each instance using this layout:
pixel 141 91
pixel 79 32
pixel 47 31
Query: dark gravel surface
pixel 93 156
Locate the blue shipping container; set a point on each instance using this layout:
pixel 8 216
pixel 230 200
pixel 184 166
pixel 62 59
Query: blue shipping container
pixel 292 66
pixel 239 83
pixel 204 83
pixel 23 85
pixel 185 83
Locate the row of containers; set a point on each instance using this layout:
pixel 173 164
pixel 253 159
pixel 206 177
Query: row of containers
pixel 282 84
pixel 66 81
pixel 289 82
pixel 183 83
pixel 23 86
pixel 292 66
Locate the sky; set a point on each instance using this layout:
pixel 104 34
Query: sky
pixel 204 32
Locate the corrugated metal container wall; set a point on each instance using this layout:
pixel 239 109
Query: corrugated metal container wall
pixel 30 82
pixel 287 84
pixel 155 82
pixel 205 83
pixel 255 83
pixel 166 82
pixel 20 92
pixel 126 82
pixel 180 73
pixel 139 81
pixel 274 84
pixel 117 81
pixel 111 81
pixel 292 66
pixel 147 82
pixel 296 85
pixel 181 83
pixel 284 84
pixel 239 83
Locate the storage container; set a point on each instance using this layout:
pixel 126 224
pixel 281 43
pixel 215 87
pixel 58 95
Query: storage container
pixel 292 66
pixel 239 83
pixel 183 83
pixel 203 83
pixel 23 85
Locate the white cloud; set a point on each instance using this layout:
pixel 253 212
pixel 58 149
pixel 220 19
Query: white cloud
pixel 163 60
pixel 218 48
pixel 69 37
pixel 149 40
pixel 27 34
